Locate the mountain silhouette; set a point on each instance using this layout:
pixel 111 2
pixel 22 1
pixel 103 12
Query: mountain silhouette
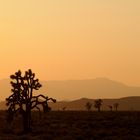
pixel 75 89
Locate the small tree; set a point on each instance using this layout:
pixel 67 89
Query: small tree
pixel 22 99
pixel 88 106
pixel 116 105
pixel 98 104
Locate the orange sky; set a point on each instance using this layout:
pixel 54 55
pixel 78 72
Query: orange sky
pixel 75 39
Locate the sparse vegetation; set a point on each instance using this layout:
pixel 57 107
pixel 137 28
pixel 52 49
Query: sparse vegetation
pixel 98 104
pixel 88 106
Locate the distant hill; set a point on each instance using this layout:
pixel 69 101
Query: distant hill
pixel 75 89
pixel 125 104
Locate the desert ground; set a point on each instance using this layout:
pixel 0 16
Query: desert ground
pixel 74 125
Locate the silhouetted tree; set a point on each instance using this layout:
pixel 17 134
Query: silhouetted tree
pixel 88 106
pixel 22 99
pixel 116 105
pixel 98 104
pixel 110 107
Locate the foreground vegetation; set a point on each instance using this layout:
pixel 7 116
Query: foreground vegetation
pixel 78 125
pixel 22 100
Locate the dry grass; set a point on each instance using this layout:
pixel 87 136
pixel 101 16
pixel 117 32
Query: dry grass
pixel 78 125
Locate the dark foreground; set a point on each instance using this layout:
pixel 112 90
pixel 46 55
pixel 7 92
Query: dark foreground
pixel 75 126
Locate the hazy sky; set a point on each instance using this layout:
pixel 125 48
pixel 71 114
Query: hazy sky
pixel 71 39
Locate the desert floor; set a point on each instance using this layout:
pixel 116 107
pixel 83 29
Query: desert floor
pixel 74 125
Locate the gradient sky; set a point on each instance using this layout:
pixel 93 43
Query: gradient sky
pixel 71 39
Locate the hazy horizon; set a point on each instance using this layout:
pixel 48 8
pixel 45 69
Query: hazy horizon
pixel 75 89
pixel 77 39
pixel 64 80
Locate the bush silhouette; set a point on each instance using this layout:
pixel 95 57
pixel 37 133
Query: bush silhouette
pixel 22 99
pixel 88 106
pixel 98 104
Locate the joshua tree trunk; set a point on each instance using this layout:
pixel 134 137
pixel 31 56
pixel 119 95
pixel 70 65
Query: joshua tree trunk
pixel 26 114
pixel 25 120
pixel 25 123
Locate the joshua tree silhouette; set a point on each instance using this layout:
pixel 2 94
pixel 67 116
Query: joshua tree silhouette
pixel 116 105
pixel 22 99
pixel 98 104
pixel 88 106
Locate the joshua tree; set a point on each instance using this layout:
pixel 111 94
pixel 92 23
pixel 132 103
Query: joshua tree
pixel 88 106
pixel 22 99
pixel 98 104
pixel 116 105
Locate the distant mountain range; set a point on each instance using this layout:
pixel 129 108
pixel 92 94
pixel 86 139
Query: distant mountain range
pixel 84 91
pixel 76 89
